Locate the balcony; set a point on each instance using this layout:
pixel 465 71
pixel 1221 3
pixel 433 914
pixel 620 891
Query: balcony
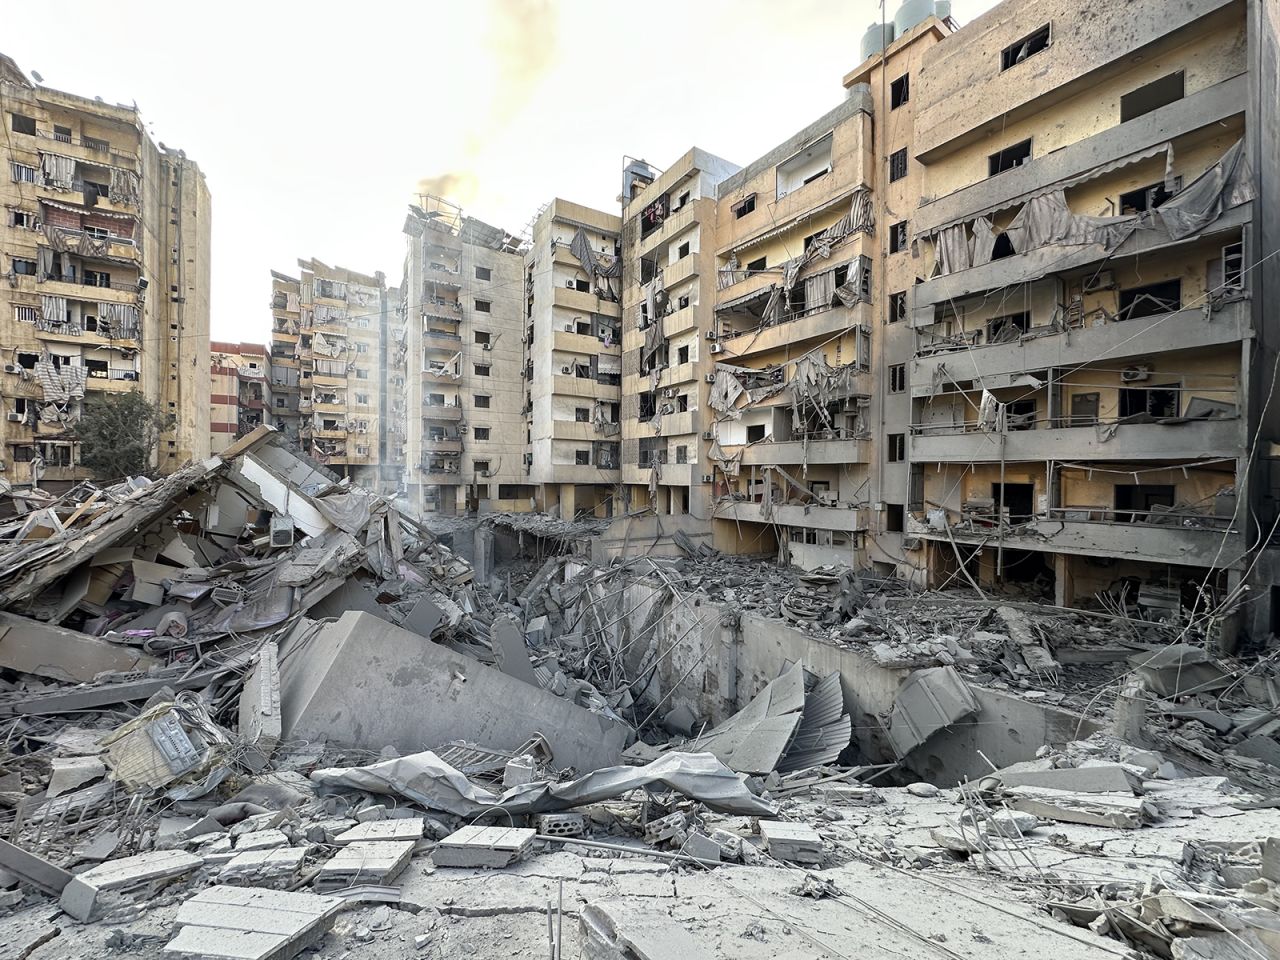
pixel 1183 330
pixel 437 476
pixel 337 406
pixel 443 445
pixel 584 344
pixel 737 284
pixel 442 411
pixel 819 452
pixel 674 225
pixel 583 473
pixel 75 287
pixel 571 386
pixel 1131 441
pixel 825 322
pixel 582 302
pixel 333 433
pixel 113 381
pixel 440 375
pixel 847 519
pixel 439 338
pixel 574 430
pixel 680 271
pixel 1191 539
pixel 97 153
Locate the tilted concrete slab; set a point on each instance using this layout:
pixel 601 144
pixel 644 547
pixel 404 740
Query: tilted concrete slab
pixel 251 923
pixel 82 897
pixel 363 682
pixel 29 646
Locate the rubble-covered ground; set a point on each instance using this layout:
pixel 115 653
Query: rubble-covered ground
pixel 251 711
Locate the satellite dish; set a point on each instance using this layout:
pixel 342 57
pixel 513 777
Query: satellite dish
pixel 35 75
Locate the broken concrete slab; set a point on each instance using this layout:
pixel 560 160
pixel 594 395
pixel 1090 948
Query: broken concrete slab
pixel 261 840
pixel 1101 778
pixel 263 867
pixel 68 773
pixel 1094 809
pixel 367 683
pixel 475 846
pixel 37 871
pixel 376 862
pixel 259 711
pixel 510 649
pixel 83 896
pixel 626 929
pixel 928 701
pixel 250 923
pixel 407 828
pixel 56 653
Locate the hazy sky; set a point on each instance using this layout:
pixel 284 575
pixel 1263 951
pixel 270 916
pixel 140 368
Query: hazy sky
pixel 314 123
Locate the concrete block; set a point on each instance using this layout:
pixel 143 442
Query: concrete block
pixel 795 842
pixel 1103 778
pixel 70 772
pixel 701 846
pixel 371 813
pixel 250 923
pixel 366 683
pixel 82 897
pixel 263 867
pixel 730 844
pixel 483 847
pixel 518 771
pixel 326 831
pixel 664 828
pixel 261 840
pixel 538 631
pixel 410 828
pixel 561 824
pixel 377 862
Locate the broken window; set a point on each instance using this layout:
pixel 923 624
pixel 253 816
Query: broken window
pixel 482 466
pixel 481 401
pixel 21 124
pixel 1003 247
pixel 682 403
pixel 21 218
pixel 893 518
pixel 1144 198
pixel 745 207
pixel 899 91
pixel 1156 402
pixel 515 491
pixel 897 447
pixel 1233 266
pixel 482 369
pixel 581 414
pixel 755 433
pixel 582 458
pixel 582 286
pixel 1028 46
pixel 808 165
pixel 1008 158
pixel 897 164
pixel 1141 498
pixel 482 433
pixel 1150 300
pixel 915 489
pixel 897 378
pixel 97 278
pixel 482 336
pixel 682 251
pixel 484 273
pixel 1151 96
pixel 757 266
pixel 1007 328
pixel 1020 415
pixel 23 267
pixel 27 361
pixel 1084 409
pixel 648 404
pixel 484 306
pixel 898 306
pixel 898 237
pixel 682 354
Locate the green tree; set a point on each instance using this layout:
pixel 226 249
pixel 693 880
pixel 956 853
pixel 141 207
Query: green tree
pixel 119 434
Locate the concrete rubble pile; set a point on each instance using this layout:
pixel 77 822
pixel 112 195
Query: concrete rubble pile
pixel 253 711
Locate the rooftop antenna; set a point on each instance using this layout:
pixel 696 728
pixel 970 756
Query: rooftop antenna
pixel 35 75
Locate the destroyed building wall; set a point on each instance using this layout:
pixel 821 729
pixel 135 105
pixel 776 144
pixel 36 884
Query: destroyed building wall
pixel 668 303
pixel 572 369
pixel 240 391
pixel 1084 395
pixel 106 240
pixel 791 345
pixel 286 336
pixel 463 297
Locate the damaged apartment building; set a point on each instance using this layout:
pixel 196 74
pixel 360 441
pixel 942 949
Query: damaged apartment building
pixel 106 258
pixel 334 379
pixel 240 398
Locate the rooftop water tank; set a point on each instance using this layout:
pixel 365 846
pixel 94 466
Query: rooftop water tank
pixel 910 13
pixel 877 37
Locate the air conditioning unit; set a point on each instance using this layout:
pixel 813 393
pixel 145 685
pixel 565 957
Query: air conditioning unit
pixel 568 328
pixel 130 375
pixel 668 408
pixel 566 369
pixel 11 368
pixel 463 428
pixel 1102 280
pixel 486 346
pixel 710 334
pixel 670 392
pixel 707 478
pixel 486 473
pixel 15 417
pixel 281 530
pixel 717 348
pixel 708 435
pixel 570 284
pixel 1135 374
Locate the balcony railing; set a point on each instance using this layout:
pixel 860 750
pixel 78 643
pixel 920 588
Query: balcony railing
pixel 113 285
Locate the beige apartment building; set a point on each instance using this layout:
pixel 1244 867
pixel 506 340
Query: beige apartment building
pixel 572 367
pixel 1091 385
pixel 240 399
pixel 333 327
pixel 668 299
pixel 462 307
pixel 106 251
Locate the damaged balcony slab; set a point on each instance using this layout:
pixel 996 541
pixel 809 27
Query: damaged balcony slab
pixel 30 646
pixel 377 862
pixel 367 683
pixel 250 923
pixel 146 872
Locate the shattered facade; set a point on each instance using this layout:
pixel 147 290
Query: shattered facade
pixel 333 333
pixel 240 400
pixel 461 317
pixel 106 253
pixel 572 373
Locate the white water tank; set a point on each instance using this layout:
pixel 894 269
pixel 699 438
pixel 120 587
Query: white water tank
pixel 877 37
pixel 913 12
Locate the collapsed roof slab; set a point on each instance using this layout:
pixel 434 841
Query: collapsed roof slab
pixel 363 682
